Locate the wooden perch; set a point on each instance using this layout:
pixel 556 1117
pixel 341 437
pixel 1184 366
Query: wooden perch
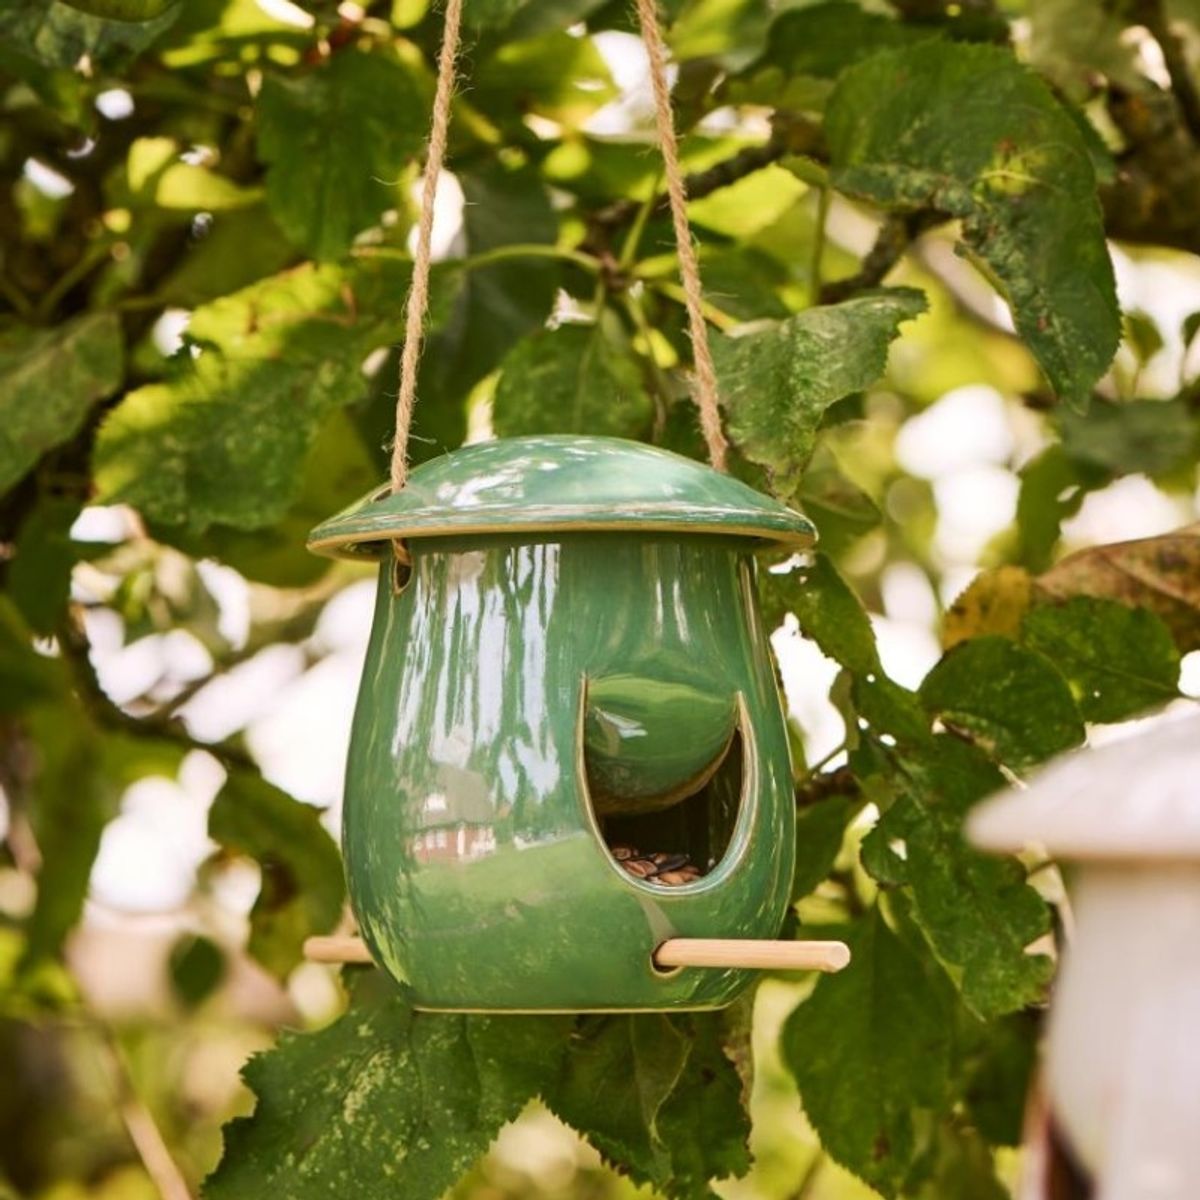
pixel 675 952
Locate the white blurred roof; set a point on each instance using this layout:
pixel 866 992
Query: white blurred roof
pixel 1138 798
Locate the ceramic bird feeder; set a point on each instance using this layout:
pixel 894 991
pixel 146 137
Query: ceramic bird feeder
pixel 568 746
pixel 1123 1053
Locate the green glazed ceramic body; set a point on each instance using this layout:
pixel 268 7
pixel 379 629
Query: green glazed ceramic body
pixel 521 691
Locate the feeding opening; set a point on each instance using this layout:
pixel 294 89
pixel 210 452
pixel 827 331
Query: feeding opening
pixel 665 776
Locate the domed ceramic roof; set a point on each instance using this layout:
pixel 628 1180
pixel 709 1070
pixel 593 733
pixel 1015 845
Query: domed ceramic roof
pixel 1137 798
pixel 560 484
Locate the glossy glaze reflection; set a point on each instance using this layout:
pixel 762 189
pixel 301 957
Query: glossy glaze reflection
pixel 475 866
pixel 560 482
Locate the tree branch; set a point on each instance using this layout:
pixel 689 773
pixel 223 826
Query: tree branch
pixel 822 786
pixel 897 233
pixel 793 136
pixel 104 710
pixel 1153 15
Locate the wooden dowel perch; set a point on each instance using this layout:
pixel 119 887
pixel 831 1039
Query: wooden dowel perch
pixel 675 952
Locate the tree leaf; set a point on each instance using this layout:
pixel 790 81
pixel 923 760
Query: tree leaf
pixel 1149 436
pixel 385 1102
pixel 557 75
pixel 224 440
pixel 1011 700
pixel 49 380
pixel 123 10
pixel 302 888
pixel 493 307
pixel 658 1098
pixel 777 378
pixel 335 142
pixel 39 577
pixel 828 611
pixel 820 829
pixel 1119 660
pixel 968 131
pixel 71 802
pixel 963 1169
pixel 807 48
pixel 995 602
pixel 871 1052
pixel 1159 573
pixel 574 379
pixel 1053 488
pixel 977 911
pixel 58 34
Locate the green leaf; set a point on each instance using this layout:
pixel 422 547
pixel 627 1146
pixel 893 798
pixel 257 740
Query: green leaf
pixel 819 832
pixel 1148 436
pixel 827 609
pixel 197 967
pixel 70 803
pixel 302 889
pixel 1118 660
pixel 124 10
pixel 963 1169
pixel 57 34
pixel 338 470
pixel 39 576
pixel 240 247
pixel 1143 335
pixel 26 677
pixel 515 19
pixel 778 378
pixel 226 438
pixel 386 1102
pixel 807 48
pixel 49 380
pixel 1000 1062
pixel 871 1051
pixel 1053 488
pixel 574 379
pixel 558 76
pixel 495 305
pixel 1011 700
pixel 658 1098
pixel 159 177
pixel 1073 40
pixel 336 141
pixel 977 911
pixel 968 131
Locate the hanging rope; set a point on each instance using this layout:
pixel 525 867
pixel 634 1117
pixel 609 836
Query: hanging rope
pixel 418 292
pixel 689 266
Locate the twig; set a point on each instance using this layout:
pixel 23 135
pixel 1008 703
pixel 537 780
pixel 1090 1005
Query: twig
pixel 800 137
pixel 76 655
pixel 815 788
pixel 805 1188
pixel 897 233
pixel 818 246
pixel 139 1123
pixel 1153 15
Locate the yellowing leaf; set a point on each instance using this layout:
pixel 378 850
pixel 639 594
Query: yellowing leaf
pixel 1159 573
pixel 994 603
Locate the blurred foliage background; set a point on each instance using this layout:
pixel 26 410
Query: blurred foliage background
pixel 949 252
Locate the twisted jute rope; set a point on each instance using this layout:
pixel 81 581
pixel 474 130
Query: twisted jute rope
pixel 689 266
pixel 418 291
